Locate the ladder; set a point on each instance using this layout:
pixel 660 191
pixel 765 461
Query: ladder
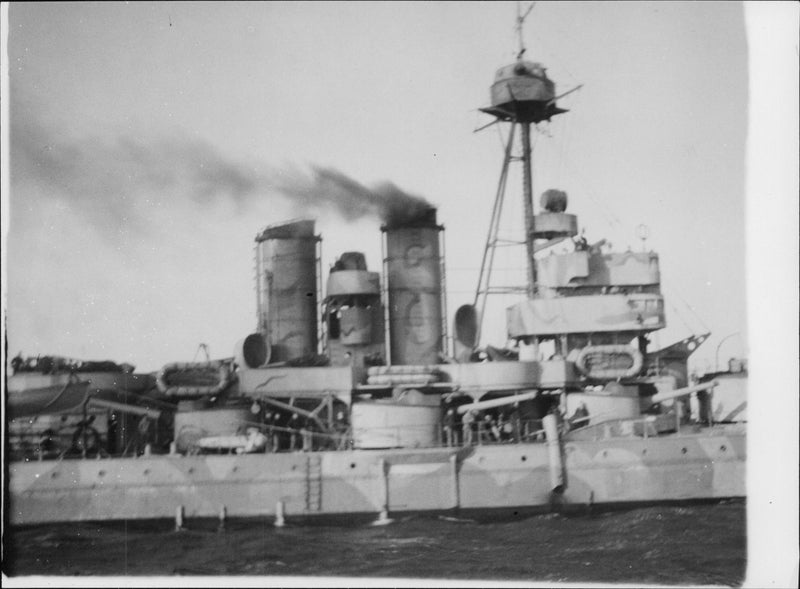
pixel 313 483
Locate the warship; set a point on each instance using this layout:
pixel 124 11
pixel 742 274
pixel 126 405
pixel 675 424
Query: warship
pixel 353 400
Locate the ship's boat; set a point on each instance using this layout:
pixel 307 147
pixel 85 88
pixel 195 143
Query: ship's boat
pixel 609 361
pixel 59 407
pixel 194 379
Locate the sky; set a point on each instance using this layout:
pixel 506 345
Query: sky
pixel 150 142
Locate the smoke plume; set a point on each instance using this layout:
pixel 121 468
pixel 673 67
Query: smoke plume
pixel 329 188
pixel 117 183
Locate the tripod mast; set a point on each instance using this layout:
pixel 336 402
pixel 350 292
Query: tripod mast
pixel 521 94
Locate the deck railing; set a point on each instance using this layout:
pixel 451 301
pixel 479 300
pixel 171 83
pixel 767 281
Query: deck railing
pixel 33 446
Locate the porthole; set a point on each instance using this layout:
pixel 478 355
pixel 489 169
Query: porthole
pixel 352 465
pixel 684 450
pixel 524 458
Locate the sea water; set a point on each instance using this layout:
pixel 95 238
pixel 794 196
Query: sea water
pixel 692 545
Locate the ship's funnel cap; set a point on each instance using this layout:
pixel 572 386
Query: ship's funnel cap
pixel 425 218
pixel 303 228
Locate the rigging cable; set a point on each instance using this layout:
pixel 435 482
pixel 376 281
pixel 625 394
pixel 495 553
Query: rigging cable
pixel 672 292
pixel 552 59
pixel 610 216
pixel 677 312
pixel 500 137
pixel 566 128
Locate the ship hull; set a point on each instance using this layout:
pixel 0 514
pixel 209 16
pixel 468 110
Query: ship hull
pixel 697 466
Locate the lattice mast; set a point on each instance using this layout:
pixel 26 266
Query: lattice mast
pixel 522 95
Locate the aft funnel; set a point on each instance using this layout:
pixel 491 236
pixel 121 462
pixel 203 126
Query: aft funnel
pixel 414 281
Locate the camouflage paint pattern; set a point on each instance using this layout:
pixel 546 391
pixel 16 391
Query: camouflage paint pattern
pixel 705 465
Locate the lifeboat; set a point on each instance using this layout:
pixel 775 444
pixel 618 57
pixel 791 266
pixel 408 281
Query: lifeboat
pixel 194 379
pixel 609 361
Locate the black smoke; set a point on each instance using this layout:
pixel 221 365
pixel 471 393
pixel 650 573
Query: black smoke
pixel 117 183
pixel 330 188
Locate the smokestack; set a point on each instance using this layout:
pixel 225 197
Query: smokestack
pixel 354 313
pixel 286 289
pixel 414 281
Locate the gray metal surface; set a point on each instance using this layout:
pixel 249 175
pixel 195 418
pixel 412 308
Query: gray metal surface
pixel 706 465
pixel 286 285
pixel 414 279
